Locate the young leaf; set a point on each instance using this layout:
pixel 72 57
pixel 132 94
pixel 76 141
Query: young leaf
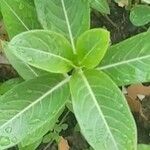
pixel 29 106
pixel 102 112
pixel 128 61
pixel 44 50
pixel 19 16
pixel 68 17
pixel 140 15
pixel 101 5
pixel 92 46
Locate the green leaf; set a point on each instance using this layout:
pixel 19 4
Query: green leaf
pixel 143 147
pixel 128 61
pixel 44 50
pixel 68 17
pixel 92 46
pixel 48 137
pixel 1 15
pixel 140 15
pixel 146 1
pixel 19 16
pixel 24 70
pixel 30 106
pixel 7 85
pixel 32 146
pixel 101 5
pixel 38 134
pixel 102 112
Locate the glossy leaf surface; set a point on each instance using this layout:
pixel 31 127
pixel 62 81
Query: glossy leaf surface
pixel 24 70
pixel 91 47
pixel 19 16
pixel 68 17
pixel 32 146
pixel 140 15
pixel 128 61
pixel 30 106
pixel 9 84
pixel 102 112
pixel 44 50
pixel 101 5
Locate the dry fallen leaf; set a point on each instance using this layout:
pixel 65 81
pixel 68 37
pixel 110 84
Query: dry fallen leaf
pixel 134 104
pixel 138 89
pixel 122 3
pixel 3 34
pixel 63 144
pixel 3 60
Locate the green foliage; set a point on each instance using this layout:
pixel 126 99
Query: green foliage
pixel 19 16
pixel 0 15
pixel 31 109
pixel 37 48
pixel 140 15
pixel 100 5
pixel 24 70
pixel 54 135
pixel 143 147
pixel 104 121
pixel 70 18
pixel 7 85
pixel 91 47
pixel 146 1
pixel 127 62
pixel 32 146
pixel 31 105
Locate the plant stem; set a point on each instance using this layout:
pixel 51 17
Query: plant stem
pixel 114 24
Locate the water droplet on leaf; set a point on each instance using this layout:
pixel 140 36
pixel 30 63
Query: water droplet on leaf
pixel 8 130
pixel 15 95
pixel 53 112
pixel 21 51
pixel 30 59
pixel 33 122
pixel 21 6
pixel 121 105
pixel 14 139
pixel 29 91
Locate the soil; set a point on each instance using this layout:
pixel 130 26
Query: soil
pixel 120 28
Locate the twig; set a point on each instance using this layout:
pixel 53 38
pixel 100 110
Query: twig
pixel 114 24
pixel 48 145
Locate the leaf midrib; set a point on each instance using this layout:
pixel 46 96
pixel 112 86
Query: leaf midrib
pixel 69 27
pixel 37 100
pixel 54 55
pixel 123 62
pixel 88 54
pixel 16 16
pixel 97 105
